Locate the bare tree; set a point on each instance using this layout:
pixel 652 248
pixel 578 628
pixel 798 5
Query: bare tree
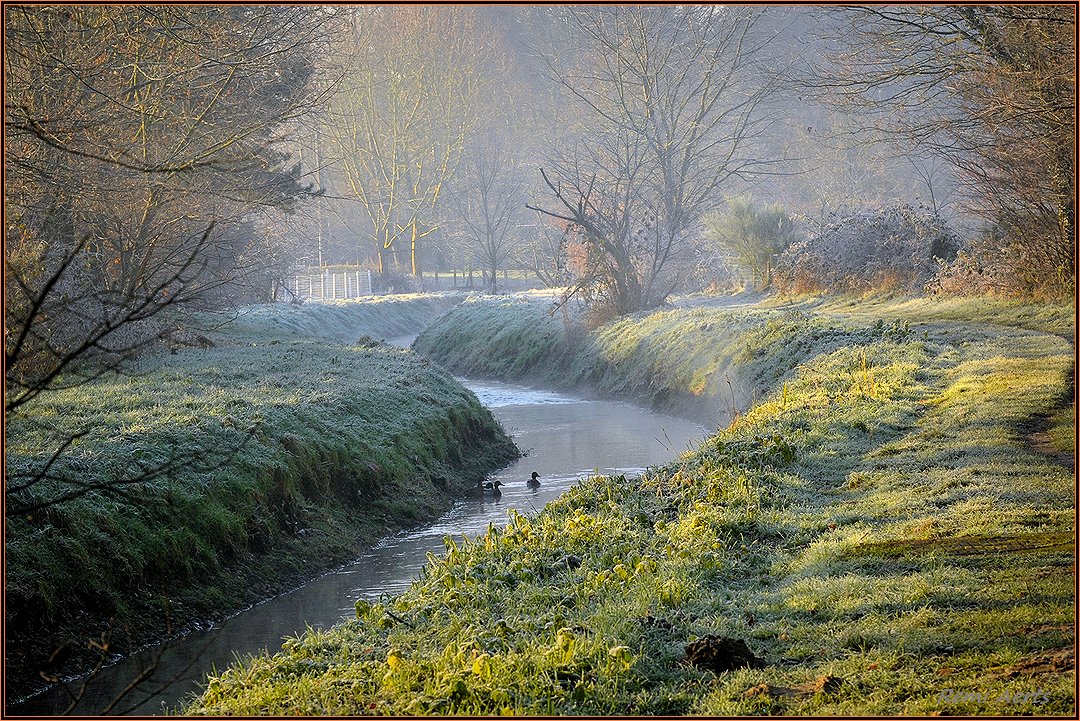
pixel 935 179
pixel 671 100
pixel 488 200
pixel 140 140
pixel 989 89
pixel 143 149
pixel 412 89
pixel 835 169
pixel 546 252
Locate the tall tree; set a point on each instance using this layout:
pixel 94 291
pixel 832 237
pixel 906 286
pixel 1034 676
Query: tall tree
pixel 992 90
pixel 671 99
pixel 142 152
pixel 140 140
pixel 412 89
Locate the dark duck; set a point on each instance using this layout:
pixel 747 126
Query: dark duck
pixel 484 488
pixel 533 482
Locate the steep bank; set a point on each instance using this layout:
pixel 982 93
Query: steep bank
pixel 708 358
pixel 231 471
pixel 682 361
pixel 876 529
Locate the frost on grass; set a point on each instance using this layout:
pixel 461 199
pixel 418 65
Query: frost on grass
pixel 268 443
pixel 886 432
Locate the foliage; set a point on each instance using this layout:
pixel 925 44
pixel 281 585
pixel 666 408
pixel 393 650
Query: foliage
pixel 990 264
pixel 893 248
pixel 754 236
pixel 769 532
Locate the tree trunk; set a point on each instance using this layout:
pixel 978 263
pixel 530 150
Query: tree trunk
pixel 415 261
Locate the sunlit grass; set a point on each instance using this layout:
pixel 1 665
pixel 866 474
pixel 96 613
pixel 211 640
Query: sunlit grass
pixel 821 527
pixel 1063 429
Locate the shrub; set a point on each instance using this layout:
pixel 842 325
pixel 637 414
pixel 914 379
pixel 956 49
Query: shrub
pixel 395 281
pixel 995 264
pixel 754 236
pixel 893 248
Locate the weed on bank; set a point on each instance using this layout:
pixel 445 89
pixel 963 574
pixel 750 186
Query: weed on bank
pixel 878 530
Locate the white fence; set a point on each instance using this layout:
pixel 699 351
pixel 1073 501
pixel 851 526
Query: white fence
pixel 327 286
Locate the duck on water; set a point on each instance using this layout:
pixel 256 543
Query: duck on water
pixel 482 489
pixel 491 488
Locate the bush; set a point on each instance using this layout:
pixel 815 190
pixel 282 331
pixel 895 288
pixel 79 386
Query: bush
pixel 995 264
pixel 754 236
pixel 394 281
pixel 893 248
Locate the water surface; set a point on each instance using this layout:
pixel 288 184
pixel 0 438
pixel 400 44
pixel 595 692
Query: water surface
pixel 565 439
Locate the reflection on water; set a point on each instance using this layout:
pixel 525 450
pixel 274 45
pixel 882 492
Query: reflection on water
pixel 499 395
pixel 565 439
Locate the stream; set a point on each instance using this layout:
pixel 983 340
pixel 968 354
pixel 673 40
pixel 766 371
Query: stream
pixel 564 438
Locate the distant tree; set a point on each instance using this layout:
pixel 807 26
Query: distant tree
pixel 671 98
pixel 836 166
pixel 488 201
pixel 411 91
pixel 753 235
pixel 991 89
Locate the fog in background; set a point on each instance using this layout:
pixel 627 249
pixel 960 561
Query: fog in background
pixel 823 158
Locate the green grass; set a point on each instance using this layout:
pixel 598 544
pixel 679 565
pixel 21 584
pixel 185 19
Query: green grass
pixel 283 453
pixel 1048 317
pixel 677 360
pixel 901 436
pixel 707 362
pixel 341 321
pixel 1063 429
pixel 502 337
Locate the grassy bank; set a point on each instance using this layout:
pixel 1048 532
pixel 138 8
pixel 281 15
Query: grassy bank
pixel 878 529
pixel 257 462
pixel 341 321
pixel 707 361
pixel 679 360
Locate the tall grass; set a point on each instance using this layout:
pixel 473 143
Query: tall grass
pixel 822 527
